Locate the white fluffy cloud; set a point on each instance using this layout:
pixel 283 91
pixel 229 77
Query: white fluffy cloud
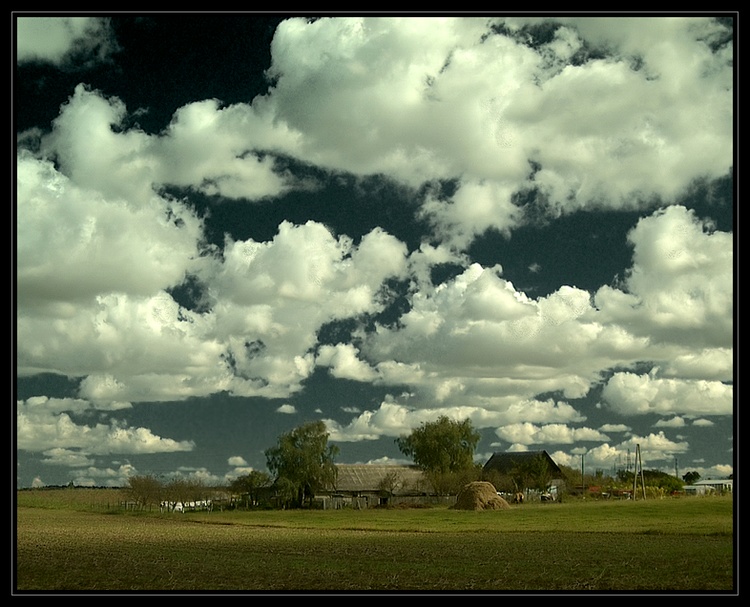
pixel 680 287
pixel 531 434
pixel 271 298
pixel 95 262
pixel 487 348
pixel 52 39
pixel 74 242
pixel 46 425
pixel 459 101
pixel 393 418
pixel 631 394
pixel 344 362
pixel 207 147
pixel 422 100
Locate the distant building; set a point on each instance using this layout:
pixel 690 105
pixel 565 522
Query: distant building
pixel 703 487
pixel 511 465
pixel 508 462
pixel 369 485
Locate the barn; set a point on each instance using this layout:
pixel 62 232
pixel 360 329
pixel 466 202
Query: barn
pixel 509 465
pixel 370 485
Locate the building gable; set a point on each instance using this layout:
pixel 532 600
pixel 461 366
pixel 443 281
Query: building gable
pixel 506 463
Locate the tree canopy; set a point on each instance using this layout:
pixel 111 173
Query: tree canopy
pixel 691 477
pixel 442 446
pixel 302 462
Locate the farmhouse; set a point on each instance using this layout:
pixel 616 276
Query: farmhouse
pixel 370 485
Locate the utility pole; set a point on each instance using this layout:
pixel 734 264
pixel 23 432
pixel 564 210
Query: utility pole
pixel 583 482
pixel 638 469
pixel 627 462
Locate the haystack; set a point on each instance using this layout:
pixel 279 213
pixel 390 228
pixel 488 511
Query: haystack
pixel 480 495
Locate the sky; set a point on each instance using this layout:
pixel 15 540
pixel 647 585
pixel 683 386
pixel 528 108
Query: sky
pixel 232 224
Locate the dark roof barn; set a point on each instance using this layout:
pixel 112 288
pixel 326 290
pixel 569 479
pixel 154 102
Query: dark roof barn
pixel 505 463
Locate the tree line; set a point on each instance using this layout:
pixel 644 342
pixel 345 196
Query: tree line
pixel 302 464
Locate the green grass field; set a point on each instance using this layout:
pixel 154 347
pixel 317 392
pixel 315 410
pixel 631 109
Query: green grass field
pixel 68 541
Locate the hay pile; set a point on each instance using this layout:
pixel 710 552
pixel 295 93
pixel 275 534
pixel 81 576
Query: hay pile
pixel 480 495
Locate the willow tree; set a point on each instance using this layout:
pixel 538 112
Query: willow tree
pixel 444 449
pixel 303 461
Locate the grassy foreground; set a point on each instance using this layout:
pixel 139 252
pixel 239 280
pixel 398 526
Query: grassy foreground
pixel 681 545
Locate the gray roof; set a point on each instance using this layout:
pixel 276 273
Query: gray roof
pixel 369 477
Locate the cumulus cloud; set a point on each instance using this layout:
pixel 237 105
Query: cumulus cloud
pixel 521 126
pixel 632 394
pixel 59 456
pixel 95 265
pixel 266 297
pixel 476 102
pixel 674 422
pixel 703 422
pixel 529 434
pixel 75 243
pixel 614 428
pixel 55 39
pixel 207 147
pixel 93 476
pixel 680 287
pixel 654 447
pixel 344 363
pixel 394 418
pixel 425 99
pixel 477 338
pixel 50 425
pixel 271 298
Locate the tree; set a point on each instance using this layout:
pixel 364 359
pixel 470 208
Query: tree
pixel 663 480
pixel 444 449
pixel 390 483
pixel 186 490
pixel 539 473
pixel 655 480
pixel 304 460
pixel 251 485
pixel 144 490
pixel 441 446
pixel 691 477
